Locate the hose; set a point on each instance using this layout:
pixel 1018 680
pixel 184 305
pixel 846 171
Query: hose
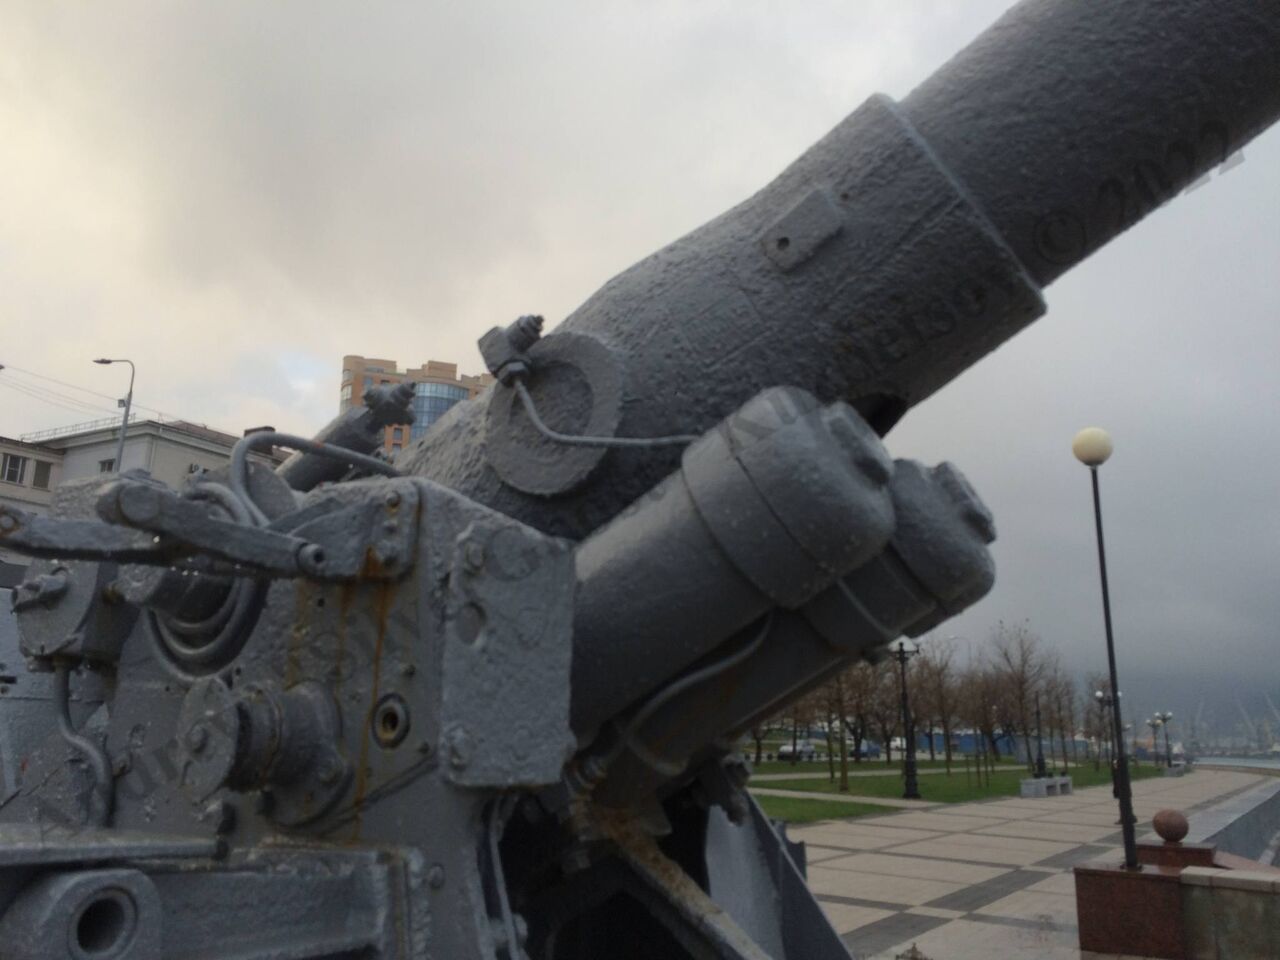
pixel 103 797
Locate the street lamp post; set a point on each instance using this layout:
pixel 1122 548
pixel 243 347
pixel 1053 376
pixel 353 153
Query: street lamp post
pixel 1154 722
pixel 128 403
pixel 1164 719
pixel 1106 733
pixel 1040 770
pixel 1106 702
pixel 1092 447
pixel 902 650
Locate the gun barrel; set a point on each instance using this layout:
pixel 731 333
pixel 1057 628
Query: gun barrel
pixel 1069 122
pixel 892 255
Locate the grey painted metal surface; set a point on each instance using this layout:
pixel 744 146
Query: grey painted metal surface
pixel 483 705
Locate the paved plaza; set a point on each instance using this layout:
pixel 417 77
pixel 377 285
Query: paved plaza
pixel 981 880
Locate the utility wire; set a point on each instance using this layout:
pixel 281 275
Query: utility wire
pixel 73 386
pixel 79 411
pixel 52 396
pixel 59 395
pixel 61 383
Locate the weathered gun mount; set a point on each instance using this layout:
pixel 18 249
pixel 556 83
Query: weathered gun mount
pixel 482 703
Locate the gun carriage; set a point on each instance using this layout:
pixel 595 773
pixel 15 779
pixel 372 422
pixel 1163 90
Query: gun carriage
pixel 481 702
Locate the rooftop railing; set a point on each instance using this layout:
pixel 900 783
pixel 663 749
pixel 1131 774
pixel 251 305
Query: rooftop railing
pixel 39 435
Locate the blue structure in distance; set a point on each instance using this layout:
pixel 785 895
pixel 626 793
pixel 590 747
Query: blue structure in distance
pixel 431 401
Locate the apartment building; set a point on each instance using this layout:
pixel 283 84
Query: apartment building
pixel 28 474
pixel 437 387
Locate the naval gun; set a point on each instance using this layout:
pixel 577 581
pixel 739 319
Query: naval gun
pixel 481 703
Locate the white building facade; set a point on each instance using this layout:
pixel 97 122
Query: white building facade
pixel 31 468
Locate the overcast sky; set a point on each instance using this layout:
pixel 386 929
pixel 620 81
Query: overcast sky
pixel 234 195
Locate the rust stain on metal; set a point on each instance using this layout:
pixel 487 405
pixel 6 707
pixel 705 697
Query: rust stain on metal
pixel 345 596
pixel 298 633
pixel 668 878
pixel 383 597
pixel 372 568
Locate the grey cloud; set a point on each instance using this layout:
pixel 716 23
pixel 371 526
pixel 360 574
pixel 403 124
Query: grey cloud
pixel 238 193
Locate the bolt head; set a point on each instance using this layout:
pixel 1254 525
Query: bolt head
pixel 197 738
pixel 435 876
pixel 392 499
pixel 330 771
pixel 459 749
pixel 222 815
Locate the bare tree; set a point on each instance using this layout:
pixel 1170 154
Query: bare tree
pixel 1058 690
pixel 849 703
pixel 924 714
pixel 757 735
pixel 983 706
pixel 1096 726
pixel 1065 699
pixel 799 716
pixel 827 704
pixel 1021 664
pixel 938 683
pixel 886 705
pixel 861 687
pixel 835 700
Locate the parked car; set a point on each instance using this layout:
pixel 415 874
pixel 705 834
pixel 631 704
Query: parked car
pixel 803 750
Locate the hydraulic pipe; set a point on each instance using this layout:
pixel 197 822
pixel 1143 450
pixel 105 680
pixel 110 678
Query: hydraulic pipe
pixel 767 510
pixel 936 564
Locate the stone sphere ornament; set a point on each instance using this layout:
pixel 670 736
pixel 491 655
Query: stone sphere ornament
pixel 1092 446
pixel 1171 825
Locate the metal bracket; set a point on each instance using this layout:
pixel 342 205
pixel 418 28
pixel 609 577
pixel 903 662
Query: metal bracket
pixel 334 538
pixel 504 350
pixel 152 507
pixel 371 537
pixel 50 539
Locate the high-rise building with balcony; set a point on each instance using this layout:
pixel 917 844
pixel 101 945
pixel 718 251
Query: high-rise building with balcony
pixel 437 387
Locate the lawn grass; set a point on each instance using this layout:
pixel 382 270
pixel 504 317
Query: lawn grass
pixel 867 766
pixel 803 810
pixel 955 788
